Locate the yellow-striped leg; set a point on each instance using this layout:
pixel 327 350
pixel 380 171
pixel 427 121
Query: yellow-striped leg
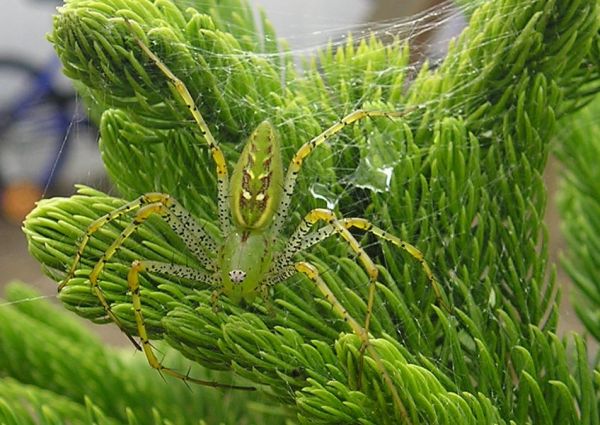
pixel 141 216
pixel 93 228
pixel 413 251
pixel 303 239
pixel 329 217
pixel 134 286
pixel 215 150
pixel 312 273
pixel 308 147
pixel 182 223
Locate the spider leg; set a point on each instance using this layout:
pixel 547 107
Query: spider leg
pixel 308 147
pixel 215 150
pixel 174 215
pixel 310 271
pixel 413 251
pixel 138 267
pixel 298 242
pixel 181 221
pixel 301 240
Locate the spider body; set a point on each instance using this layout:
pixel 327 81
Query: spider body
pixel 245 259
pixel 253 207
pixel 257 180
pixel 254 194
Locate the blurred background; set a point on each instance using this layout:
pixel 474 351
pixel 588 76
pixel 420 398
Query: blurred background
pixel 47 144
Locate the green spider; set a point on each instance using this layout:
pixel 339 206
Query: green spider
pixel 252 208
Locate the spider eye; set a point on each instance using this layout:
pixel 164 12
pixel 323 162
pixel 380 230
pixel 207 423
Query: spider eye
pixel 237 276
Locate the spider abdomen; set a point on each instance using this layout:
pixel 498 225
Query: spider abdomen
pixel 257 180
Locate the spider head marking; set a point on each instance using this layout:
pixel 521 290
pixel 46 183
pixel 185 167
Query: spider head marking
pixel 237 276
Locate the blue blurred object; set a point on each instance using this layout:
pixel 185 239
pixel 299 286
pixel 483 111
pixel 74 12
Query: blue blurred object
pixel 37 117
pixel 35 121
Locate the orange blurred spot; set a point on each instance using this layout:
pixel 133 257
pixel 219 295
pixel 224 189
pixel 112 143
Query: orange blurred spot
pixel 18 199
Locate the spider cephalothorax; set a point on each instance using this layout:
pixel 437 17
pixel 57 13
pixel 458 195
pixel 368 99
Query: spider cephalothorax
pixel 245 260
pixel 253 206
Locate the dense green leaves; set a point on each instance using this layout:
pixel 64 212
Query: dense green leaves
pixel 52 369
pixel 463 183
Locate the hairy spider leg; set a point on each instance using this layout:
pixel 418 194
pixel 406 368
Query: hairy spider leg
pixel 302 240
pixel 320 214
pixel 215 150
pixel 308 147
pixel 413 251
pixel 180 221
pixel 134 286
pixel 311 272
pixel 286 269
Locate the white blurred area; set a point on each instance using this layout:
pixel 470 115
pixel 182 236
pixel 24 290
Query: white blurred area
pixel 309 23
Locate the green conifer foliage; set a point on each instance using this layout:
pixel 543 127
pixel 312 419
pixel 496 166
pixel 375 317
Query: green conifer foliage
pixel 465 187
